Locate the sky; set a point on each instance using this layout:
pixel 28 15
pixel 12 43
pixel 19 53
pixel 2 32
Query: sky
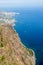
pixel 21 3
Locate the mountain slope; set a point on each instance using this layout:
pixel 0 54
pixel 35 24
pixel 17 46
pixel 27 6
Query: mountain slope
pixel 12 51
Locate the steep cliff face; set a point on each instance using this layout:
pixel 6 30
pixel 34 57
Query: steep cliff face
pixel 12 51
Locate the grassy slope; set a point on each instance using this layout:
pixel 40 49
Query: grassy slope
pixel 12 52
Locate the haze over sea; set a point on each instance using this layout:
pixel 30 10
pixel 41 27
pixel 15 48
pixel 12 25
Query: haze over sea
pixel 29 25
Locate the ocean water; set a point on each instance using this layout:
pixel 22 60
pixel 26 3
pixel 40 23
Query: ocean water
pixel 29 25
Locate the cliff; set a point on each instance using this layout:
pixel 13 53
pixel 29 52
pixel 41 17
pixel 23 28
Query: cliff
pixel 12 51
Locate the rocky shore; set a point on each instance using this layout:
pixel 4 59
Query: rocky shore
pixel 12 50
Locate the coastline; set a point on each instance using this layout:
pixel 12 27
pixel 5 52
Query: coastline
pixel 21 53
pixel 32 51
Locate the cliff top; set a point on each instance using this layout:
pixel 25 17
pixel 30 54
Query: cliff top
pixel 12 51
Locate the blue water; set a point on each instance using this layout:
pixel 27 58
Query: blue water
pixel 29 26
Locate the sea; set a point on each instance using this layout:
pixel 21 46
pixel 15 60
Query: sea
pixel 29 26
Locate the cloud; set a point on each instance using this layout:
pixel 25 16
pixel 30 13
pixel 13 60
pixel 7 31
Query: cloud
pixel 19 3
pixel 7 18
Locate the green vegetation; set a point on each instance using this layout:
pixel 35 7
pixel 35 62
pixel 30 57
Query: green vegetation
pixel 1 44
pixel 2 57
pixel 10 63
pixel 0 28
pixel 2 39
pixel 10 51
pixel 31 52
